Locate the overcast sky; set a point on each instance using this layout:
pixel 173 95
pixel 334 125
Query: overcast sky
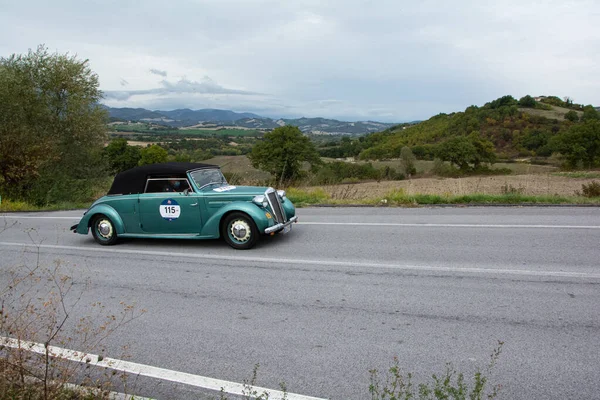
pixel 348 59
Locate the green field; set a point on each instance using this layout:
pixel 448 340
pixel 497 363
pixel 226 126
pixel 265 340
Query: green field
pixel 153 130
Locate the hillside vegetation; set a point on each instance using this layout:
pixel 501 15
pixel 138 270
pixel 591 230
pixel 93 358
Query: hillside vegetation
pixel 523 128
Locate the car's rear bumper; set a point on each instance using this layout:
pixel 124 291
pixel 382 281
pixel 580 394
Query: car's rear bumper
pixel 278 227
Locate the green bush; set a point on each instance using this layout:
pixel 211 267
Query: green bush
pixel 337 172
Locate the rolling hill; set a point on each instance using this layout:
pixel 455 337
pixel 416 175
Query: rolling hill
pixel 515 128
pixel 226 118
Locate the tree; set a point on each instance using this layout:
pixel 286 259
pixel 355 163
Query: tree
pixel 407 160
pixel 581 143
pixel 572 116
pixel 51 127
pixel 464 151
pixel 121 156
pixel 282 152
pixel 153 155
pixel 568 101
pixel 484 150
pixel 527 101
pixel 503 101
pixel 590 113
pixel 458 151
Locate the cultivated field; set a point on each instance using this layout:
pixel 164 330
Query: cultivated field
pixel 532 184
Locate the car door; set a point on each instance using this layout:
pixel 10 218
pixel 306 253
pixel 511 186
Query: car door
pixel 169 213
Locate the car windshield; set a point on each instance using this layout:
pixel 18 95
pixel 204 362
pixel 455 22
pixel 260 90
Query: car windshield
pixel 208 176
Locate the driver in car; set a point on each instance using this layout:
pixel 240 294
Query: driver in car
pixel 174 185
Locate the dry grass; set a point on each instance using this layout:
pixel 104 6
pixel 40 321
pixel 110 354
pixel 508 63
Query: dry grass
pixel 556 112
pixel 240 168
pixel 425 167
pixel 534 184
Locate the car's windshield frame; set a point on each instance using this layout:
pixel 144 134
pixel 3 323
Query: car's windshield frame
pixel 205 177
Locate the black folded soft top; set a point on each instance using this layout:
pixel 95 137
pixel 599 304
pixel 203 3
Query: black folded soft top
pixel 133 181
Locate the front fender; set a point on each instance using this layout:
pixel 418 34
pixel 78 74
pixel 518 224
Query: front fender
pixel 256 213
pixel 100 209
pixel 289 208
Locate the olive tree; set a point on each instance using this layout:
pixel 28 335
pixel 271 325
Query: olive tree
pixel 52 128
pixel 282 152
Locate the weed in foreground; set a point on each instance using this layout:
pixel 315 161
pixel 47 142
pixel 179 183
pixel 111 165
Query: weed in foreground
pixel 35 307
pixel 450 385
pixel 250 393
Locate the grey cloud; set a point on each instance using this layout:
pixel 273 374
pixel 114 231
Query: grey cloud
pixel 442 56
pixel 158 72
pixel 183 86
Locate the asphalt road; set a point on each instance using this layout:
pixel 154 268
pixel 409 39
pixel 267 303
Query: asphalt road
pixel 346 291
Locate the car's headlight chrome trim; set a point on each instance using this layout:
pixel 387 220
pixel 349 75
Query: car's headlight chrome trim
pixel 261 201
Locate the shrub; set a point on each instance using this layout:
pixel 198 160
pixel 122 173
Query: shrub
pixel 572 116
pixel 590 190
pixel 511 190
pixel 336 172
pixel 440 168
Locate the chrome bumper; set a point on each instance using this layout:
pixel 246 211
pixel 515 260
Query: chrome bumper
pixel 277 227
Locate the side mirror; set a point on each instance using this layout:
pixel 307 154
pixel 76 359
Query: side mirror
pixel 186 192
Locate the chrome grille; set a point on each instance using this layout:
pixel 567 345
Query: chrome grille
pixel 276 206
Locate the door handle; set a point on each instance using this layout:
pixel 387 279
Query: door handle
pixel 194 205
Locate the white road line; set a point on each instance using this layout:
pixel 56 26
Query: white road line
pixel 278 260
pixel 451 225
pixel 147 370
pixel 422 225
pixel 74 218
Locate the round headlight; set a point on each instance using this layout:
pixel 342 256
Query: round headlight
pixel 260 201
pixel 281 194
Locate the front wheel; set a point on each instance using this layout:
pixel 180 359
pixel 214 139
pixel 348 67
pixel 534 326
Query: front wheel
pixel 239 231
pixel 103 230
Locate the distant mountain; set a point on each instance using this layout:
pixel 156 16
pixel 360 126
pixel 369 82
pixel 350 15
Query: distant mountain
pixel 211 117
pixel 208 114
pixel 133 114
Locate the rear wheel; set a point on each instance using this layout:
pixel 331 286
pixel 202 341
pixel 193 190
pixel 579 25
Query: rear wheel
pixel 239 231
pixel 103 230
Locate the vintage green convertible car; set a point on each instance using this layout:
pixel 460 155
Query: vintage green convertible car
pixel 186 201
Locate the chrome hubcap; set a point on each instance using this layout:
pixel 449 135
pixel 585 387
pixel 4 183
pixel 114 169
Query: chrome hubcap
pixel 240 230
pixel 105 229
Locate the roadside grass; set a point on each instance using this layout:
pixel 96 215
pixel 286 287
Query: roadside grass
pixel 399 197
pixel 12 206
